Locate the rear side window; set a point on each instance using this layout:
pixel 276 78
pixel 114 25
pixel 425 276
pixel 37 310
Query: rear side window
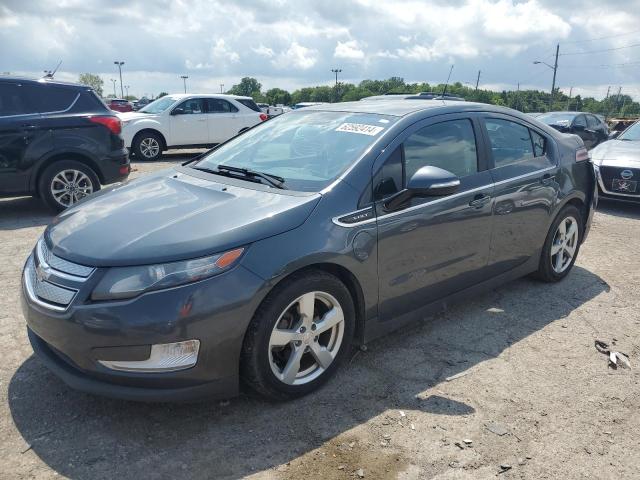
pixel 449 145
pixel 51 98
pixel 15 99
pixel 89 102
pixel 250 104
pixel 592 121
pixel 580 121
pixel 510 142
pixel 218 105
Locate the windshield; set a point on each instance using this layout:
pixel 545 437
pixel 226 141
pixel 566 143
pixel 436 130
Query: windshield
pixel 557 118
pixel 631 133
pixel 308 149
pixel 159 105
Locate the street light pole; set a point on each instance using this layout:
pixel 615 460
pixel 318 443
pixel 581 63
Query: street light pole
pixel 126 87
pixel 336 71
pixel 184 82
pixel 114 87
pixel 222 88
pixel 119 64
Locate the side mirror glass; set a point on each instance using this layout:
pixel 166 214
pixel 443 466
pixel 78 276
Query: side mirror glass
pixel 426 182
pixel 177 111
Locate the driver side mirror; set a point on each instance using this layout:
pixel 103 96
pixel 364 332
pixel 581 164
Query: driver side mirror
pixel 614 134
pixel 177 111
pixel 426 182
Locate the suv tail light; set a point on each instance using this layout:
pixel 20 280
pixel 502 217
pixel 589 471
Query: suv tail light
pixel 582 154
pixel 112 123
pixel 264 116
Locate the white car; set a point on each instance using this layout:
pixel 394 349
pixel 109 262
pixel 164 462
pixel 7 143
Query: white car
pixel 187 121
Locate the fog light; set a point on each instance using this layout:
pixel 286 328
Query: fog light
pixel 165 357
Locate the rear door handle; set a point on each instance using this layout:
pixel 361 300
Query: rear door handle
pixel 547 179
pixel 479 201
pixel 29 127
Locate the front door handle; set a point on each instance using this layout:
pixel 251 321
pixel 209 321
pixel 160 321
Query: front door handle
pixel 480 201
pixel 547 179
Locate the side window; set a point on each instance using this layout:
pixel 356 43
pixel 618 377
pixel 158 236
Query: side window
pixel 191 106
pixel 580 121
pixel 449 145
pixel 592 122
pixel 389 178
pixel 14 100
pixel 539 144
pixel 510 141
pixel 50 98
pixel 218 105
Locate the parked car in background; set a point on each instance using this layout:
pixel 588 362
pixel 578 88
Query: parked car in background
pixel 264 107
pixel 535 114
pixel 120 105
pixel 306 104
pixel 142 102
pixel 187 121
pixel 263 262
pixel 415 96
pixel 617 164
pixel 58 141
pixel 589 127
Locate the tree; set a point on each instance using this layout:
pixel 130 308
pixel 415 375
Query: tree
pixel 93 81
pixel 162 94
pixel 277 96
pixel 247 87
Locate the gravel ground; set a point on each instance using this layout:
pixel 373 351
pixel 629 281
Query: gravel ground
pixel 534 398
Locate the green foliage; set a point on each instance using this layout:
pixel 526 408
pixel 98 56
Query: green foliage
pixel 523 100
pixel 162 94
pixel 93 81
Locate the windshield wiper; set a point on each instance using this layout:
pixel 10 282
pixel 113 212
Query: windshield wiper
pixel 251 175
pixel 273 180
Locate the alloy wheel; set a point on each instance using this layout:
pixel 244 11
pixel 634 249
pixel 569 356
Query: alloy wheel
pixel 70 186
pixel 565 243
pixel 149 147
pixel 306 338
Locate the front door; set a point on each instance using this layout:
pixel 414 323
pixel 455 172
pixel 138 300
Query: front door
pixel 524 170
pixel 435 246
pixel 189 123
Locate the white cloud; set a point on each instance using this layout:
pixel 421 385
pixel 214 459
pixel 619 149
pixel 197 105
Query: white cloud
pixel 348 50
pixel 263 51
pixel 296 56
pixel 221 51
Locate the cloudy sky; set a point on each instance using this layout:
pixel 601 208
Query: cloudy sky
pixel 295 43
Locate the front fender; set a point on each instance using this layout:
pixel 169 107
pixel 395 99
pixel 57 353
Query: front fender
pixel 131 129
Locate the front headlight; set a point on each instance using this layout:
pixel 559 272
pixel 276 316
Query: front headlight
pixel 127 282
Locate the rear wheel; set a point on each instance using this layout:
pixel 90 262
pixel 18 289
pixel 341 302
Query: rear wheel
pixel 64 183
pixel 147 146
pixel 299 336
pixel 561 246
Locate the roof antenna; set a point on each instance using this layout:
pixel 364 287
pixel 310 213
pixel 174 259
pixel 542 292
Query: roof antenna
pixel 444 90
pixel 49 73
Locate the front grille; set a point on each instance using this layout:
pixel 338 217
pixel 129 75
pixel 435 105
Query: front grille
pixel 47 291
pixel 60 264
pixel 608 174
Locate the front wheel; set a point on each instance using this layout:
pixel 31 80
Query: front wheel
pixel 561 246
pixel 299 336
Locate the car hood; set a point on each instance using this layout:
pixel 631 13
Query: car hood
pixel 128 116
pixel 173 215
pixel 617 153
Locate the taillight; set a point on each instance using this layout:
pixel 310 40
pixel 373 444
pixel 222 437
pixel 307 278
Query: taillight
pixel 264 116
pixel 112 123
pixel 582 154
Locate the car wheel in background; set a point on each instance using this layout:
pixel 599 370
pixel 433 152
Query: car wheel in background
pixel 64 183
pixel 147 146
pixel 561 246
pixel 298 336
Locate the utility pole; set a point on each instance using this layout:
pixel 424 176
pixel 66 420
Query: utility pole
pixel 555 70
pixel 608 90
pixel 618 97
pixel 119 64
pixel 221 87
pixel 114 87
pixel 569 99
pixel 184 82
pixel 477 80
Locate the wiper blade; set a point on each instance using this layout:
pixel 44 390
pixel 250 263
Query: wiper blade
pixel 273 180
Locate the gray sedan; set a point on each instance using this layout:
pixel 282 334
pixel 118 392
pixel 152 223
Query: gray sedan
pixel 264 262
pixel 617 164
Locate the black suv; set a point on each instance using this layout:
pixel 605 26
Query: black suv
pixel 58 141
pixel 589 127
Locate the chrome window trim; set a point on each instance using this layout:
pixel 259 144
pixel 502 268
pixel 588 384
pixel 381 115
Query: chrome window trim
pixel 435 201
pixel 45 113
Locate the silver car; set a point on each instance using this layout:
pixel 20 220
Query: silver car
pixel 617 164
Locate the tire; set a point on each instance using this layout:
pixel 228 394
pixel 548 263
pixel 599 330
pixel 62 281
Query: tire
pixel 147 146
pixel 555 263
pixel 267 352
pixel 66 182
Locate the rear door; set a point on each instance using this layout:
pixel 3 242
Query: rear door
pixel 433 246
pixel 524 171
pixel 222 119
pixel 189 123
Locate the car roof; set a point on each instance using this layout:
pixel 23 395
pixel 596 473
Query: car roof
pixel 401 108
pixel 40 81
pixel 208 95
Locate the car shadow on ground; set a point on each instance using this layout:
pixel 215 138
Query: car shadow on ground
pixel 85 437
pixel 23 212
pixel 619 209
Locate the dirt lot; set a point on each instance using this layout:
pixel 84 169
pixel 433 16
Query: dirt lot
pixel 534 396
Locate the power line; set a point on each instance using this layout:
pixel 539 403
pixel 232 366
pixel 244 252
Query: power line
pixel 601 51
pixel 609 65
pixel 601 38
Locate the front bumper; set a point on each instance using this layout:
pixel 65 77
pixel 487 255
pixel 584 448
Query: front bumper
pixel 215 311
pixel 606 175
